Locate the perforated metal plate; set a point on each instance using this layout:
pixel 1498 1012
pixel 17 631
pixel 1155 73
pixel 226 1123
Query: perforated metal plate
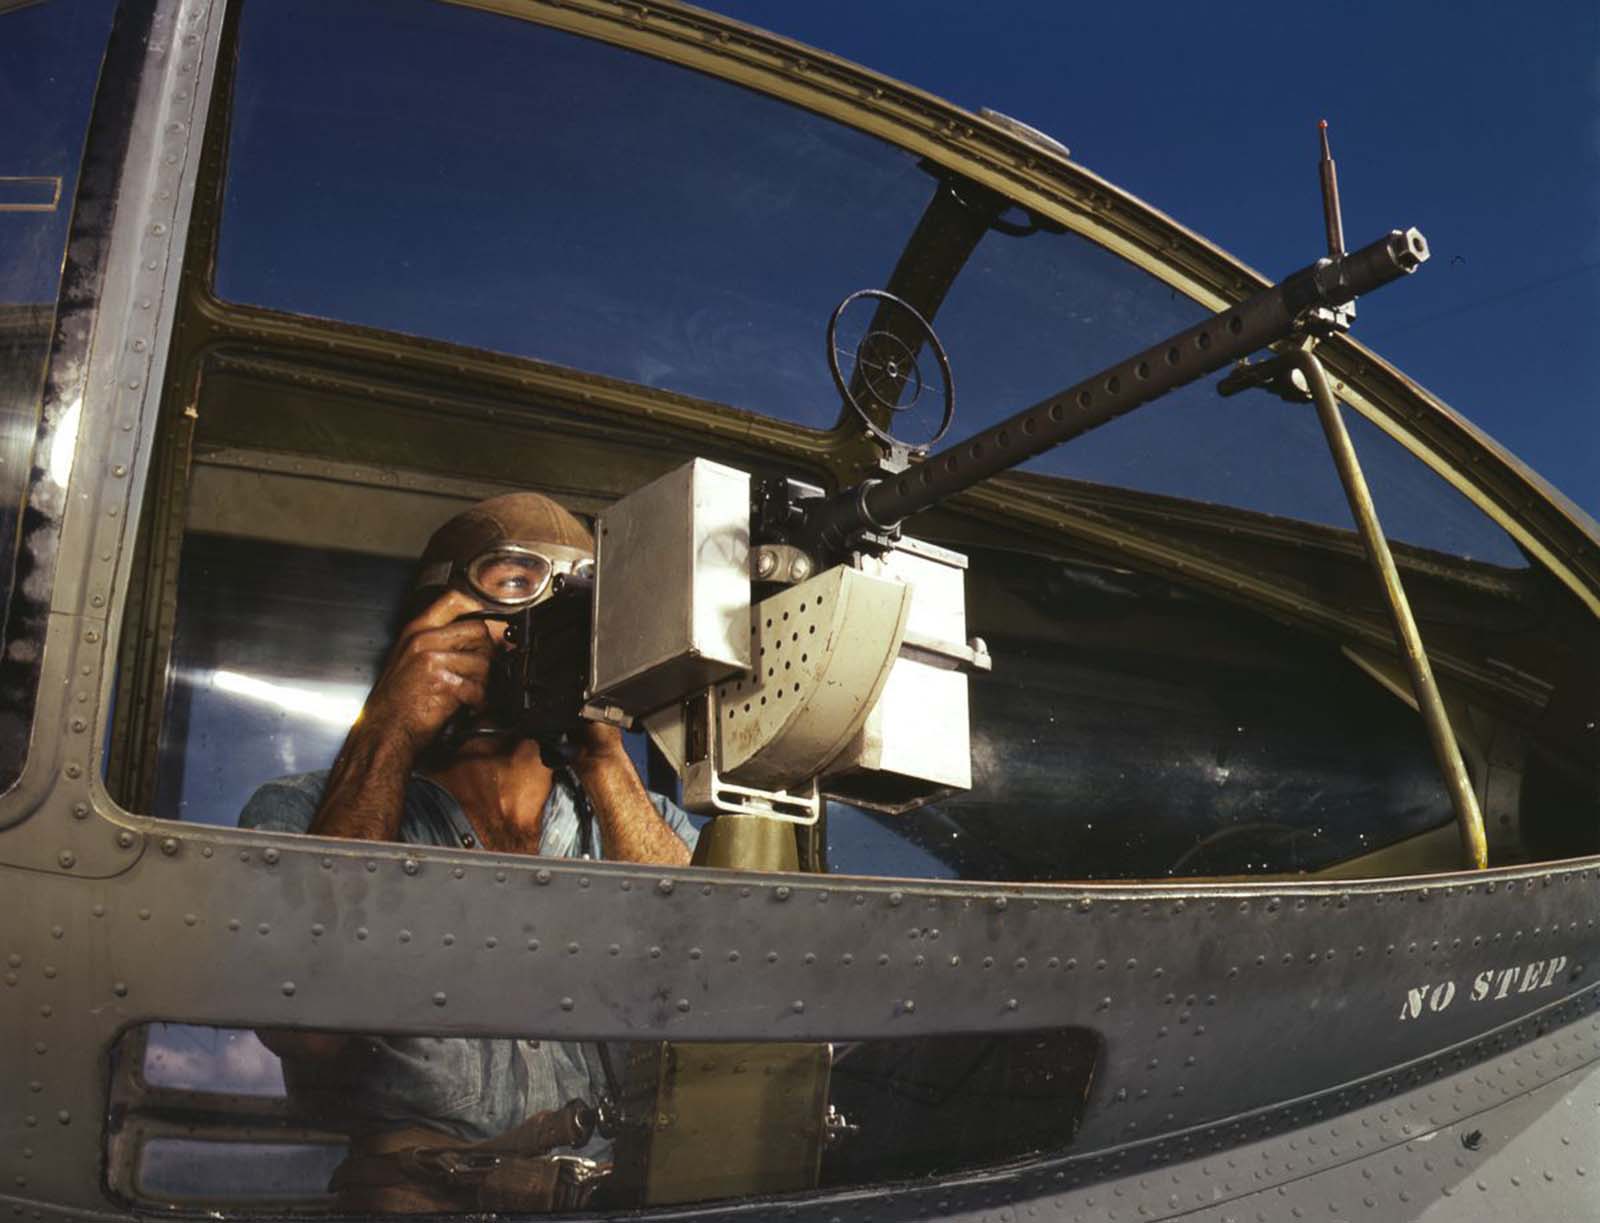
pixel 822 652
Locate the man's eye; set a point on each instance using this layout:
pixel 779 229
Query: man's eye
pixel 509 580
pixel 513 582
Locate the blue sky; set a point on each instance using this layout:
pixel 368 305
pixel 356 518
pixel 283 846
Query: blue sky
pixel 1477 122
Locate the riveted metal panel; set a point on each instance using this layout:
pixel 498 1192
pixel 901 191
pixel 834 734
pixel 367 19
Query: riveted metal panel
pixel 161 58
pixel 1308 987
pixel 1216 1003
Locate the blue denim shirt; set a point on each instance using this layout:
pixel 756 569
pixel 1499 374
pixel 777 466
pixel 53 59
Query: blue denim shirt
pixel 472 1089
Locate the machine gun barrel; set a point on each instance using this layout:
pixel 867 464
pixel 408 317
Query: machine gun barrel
pixel 1264 319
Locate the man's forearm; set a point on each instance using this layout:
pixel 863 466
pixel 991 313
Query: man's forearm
pixel 630 826
pixel 366 790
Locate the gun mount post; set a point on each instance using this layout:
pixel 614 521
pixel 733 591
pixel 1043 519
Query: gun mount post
pixel 1262 320
pixel 1429 703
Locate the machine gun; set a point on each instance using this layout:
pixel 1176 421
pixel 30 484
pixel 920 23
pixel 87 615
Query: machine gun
pixel 795 644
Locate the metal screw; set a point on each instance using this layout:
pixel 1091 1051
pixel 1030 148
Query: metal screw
pixel 125 839
pixel 766 563
pixel 801 569
pixel 80 811
pixel 67 858
pixel 410 866
pixel 169 845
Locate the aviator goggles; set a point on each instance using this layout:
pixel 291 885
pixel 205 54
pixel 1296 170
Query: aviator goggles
pixel 511 577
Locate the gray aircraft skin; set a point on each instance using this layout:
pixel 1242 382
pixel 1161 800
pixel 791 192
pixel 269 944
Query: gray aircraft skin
pixel 1356 1028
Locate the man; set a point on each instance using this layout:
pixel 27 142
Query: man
pixel 410 771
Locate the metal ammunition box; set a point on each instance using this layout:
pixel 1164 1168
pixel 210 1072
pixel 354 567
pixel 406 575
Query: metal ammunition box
pixel 914 745
pixel 672 588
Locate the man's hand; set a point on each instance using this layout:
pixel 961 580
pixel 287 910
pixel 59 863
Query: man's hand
pixel 631 827
pixel 439 664
pixel 599 746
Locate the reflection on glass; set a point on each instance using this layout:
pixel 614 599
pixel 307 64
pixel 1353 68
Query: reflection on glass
pixel 863 843
pixel 24 344
pixel 253 694
pixel 680 232
pixel 49 60
pixel 654 224
pixel 1132 729
pixel 183 1169
pixel 337 711
pixel 210 1059
pixel 63 446
pixel 364 1123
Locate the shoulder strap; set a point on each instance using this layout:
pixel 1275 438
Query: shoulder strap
pixel 583 809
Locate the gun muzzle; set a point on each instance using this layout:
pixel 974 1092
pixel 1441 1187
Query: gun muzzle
pixel 1332 282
